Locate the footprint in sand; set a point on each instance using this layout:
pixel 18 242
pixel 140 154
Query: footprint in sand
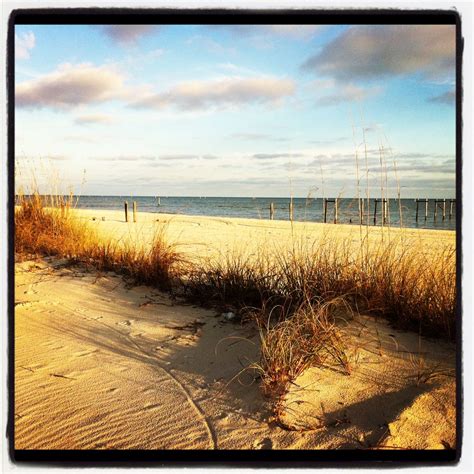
pixel 92 318
pixel 127 322
pixel 265 443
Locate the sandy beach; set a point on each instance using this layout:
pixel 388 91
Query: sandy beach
pixel 100 364
pixel 203 237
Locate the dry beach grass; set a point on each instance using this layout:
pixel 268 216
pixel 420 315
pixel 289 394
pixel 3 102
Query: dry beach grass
pixel 299 287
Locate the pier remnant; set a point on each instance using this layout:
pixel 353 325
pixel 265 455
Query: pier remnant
pixel 336 208
pixel 272 211
pixel 134 211
pixel 125 205
pixel 451 205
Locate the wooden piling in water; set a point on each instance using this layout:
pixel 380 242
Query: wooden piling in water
pixel 426 209
pixel 325 204
pixel 125 205
pixel 272 210
pixel 159 201
pixel 336 205
pixel 444 209
pixel 384 211
pixel 375 211
pixel 134 211
pixel 451 202
pixel 416 212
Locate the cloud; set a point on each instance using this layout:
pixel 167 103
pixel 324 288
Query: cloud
pixel 373 51
pixel 258 137
pixel 81 138
pixel 292 31
pixel 328 142
pixel 125 158
pixel 178 157
pixel 70 86
pixel 93 118
pixel 270 156
pixel 348 93
pixel 127 34
pixel 193 95
pixel 24 43
pixel 448 98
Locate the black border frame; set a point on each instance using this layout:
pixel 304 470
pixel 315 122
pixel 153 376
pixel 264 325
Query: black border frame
pixel 234 458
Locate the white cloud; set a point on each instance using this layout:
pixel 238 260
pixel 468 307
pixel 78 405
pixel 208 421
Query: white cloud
pixel 294 31
pixel 228 91
pixel 70 86
pixel 447 98
pixel 374 51
pixel 24 43
pixel 348 93
pixel 127 34
pixel 93 118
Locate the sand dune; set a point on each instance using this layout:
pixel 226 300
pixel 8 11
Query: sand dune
pixel 100 365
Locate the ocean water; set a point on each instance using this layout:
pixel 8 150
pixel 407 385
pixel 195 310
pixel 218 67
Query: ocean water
pixel 309 210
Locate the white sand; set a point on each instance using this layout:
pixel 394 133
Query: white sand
pixel 203 236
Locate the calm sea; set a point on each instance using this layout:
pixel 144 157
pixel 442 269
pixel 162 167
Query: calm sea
pixel 310 210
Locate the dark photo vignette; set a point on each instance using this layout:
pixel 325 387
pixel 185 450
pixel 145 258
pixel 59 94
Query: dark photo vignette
pixel 230 458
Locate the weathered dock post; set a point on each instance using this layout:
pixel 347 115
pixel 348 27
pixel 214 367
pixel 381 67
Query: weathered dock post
pixel 444 209
pixel 375 211
pixel 134 211
pixel 290 209
pixel 384 211
pixel 272 210
pixel 325 204
pixel 361 210
pixel 426 209
pixel 435 209
pixel 336 206
pixel 416 212
pixel 451 202
pixel 125 205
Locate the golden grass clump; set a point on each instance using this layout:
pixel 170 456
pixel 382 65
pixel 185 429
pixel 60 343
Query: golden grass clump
pixel 44 226
pixel 301 338
pixel 413 287
pixel 47 226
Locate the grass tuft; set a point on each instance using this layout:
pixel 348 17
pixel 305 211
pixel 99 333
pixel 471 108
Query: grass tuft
pixel 301 338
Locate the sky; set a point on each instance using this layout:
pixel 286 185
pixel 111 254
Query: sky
pixel 236 110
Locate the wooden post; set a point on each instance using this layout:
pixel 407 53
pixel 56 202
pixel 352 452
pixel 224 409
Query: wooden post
pixel 375 211
pixel 159 201
pixel 272 210
pixel 290 209
pixel 444 209
pixel 435 209
pixel 336 204
pixel 451 202
pixel 361 210
pixel 384 211
pixel 416 212
pixel 134 211
pixel 125 204
pixel 426 209
pixel 325 204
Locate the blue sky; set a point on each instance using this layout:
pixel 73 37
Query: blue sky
pixel 260 110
